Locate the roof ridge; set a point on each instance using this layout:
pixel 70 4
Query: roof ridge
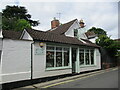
pixel 71 21
pixel 62 28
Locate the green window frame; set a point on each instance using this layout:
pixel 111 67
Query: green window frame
pixel 60 56
pixel 88 55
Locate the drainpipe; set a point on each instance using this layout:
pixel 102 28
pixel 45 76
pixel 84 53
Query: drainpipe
pixel 1 49
pixel 32 60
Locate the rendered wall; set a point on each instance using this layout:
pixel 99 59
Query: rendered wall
pixel 93 39
pixel 97 57
pixel 26 36
pixel 0 44
pixel 0 59
pixel 81 31
pixel 16 60
pixel 39 64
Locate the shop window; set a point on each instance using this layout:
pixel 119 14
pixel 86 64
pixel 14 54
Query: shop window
pixel 86 56
pixel 81 57
pixel 66 56
pixel 87 59
pixel 57 56
pixel 92 56
pixel 50 57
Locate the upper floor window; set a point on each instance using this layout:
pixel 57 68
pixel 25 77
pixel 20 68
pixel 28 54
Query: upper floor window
pixel 75 32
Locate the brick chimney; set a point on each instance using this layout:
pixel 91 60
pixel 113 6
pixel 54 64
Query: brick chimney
pixel 82 23
pixel 55 23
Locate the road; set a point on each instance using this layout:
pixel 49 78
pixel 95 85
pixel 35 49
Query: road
pixel 101 79
pixel 108 79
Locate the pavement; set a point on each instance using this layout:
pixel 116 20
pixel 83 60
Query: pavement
pixel 81 81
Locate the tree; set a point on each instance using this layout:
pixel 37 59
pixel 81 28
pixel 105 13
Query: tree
pixel 21 24
pixel 14 14
pixel 98 31
pixel 108 44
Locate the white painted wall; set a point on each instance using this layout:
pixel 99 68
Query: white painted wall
pixel 39 65
pixel 0 43
pixel 97 57
pixel 0 58
pixel 81 31
pixel 26 36
pixel 93 39
pixel 16 60
pixel 1 36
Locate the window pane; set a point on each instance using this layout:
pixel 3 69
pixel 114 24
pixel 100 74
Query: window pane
pixel 59 48
pixel 92 56
pixel 81 57
pixel 81 51
pixel 49 59
pixel 50 48
pixel 87 57
pixel 66 56
pixel 75 32
pixel 58 59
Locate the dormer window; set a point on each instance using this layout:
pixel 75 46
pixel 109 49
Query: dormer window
pixel 75 32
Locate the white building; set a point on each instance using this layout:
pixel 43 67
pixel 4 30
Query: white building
pixel 35 54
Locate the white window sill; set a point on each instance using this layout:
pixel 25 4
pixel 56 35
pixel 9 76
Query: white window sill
pixel 83 66
pixel 58 68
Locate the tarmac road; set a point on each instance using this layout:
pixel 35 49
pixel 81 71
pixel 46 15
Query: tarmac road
pixel 109 79
pixel 100 79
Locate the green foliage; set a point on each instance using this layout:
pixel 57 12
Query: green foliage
pixel 16 18
pixel 98 31
pixel 21 24
pixel 108 44
pixel 14 24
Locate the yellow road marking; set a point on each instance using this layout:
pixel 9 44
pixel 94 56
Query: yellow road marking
pixel 76 79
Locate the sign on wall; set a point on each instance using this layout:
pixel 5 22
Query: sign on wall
pixel 39 51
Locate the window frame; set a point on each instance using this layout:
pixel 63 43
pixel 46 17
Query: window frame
pixel 55 67
pixel 87 65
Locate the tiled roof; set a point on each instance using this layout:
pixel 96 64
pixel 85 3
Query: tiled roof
pixel 90 34
pixel 11 34
pixel 62 28
pixel 89 43
pixel 117 39
pixel 51 37
pixel 47 37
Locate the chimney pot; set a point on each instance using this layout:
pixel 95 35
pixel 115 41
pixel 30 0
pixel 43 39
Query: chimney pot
pixel 82 23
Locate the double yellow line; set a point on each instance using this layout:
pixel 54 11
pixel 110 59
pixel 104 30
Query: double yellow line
pixel 77 79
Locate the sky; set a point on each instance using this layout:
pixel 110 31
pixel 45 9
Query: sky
pixel 95 13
